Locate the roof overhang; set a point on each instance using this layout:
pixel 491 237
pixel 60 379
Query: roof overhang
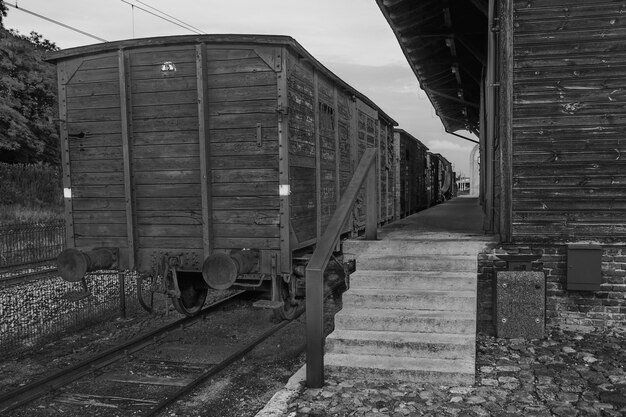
pixel 445 43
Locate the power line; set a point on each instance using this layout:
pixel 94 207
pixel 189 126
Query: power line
pixel 161 17
pixel 55 22
pixel 170 16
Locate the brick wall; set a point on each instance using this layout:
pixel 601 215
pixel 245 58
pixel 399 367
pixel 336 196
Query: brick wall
pixel 604 308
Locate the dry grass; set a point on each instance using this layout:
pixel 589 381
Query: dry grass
pixel 18 213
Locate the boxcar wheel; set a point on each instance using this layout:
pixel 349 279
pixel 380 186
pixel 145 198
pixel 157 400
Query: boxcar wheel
pixel 190 301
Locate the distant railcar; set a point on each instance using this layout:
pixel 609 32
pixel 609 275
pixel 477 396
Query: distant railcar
pixel 411 171
pixel 442 178
pixel 210 161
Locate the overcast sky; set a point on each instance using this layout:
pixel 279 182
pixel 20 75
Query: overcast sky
pixel 350 37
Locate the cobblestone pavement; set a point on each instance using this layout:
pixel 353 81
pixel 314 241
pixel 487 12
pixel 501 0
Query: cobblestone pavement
pixel 566 374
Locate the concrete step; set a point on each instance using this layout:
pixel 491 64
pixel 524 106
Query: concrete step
pixel 388 368
pixel 401 320
pixel 418 263
pixel 414 280
pixel 411 299
pixel 361 247
pixel 412 345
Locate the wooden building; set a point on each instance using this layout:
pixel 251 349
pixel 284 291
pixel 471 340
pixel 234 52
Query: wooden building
pixel 542 83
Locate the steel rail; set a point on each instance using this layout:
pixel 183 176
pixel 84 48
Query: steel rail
pixel 23 395
pixel 208 373
pixel 228 361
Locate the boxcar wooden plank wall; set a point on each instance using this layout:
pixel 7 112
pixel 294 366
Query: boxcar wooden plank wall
pixel 327 150
pixel 165 149
pixel 302 149
pixel 243 120
pixel 569 120
pixel 93 123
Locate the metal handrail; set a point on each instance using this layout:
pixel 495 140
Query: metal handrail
pixel 314 275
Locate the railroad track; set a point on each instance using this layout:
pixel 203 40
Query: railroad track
pixel 110 365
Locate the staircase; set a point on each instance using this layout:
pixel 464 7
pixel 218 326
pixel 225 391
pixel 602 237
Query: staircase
pixel 410 312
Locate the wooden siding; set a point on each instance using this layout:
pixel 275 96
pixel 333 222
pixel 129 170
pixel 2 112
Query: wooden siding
pixel 93 123
pixel 569 120
pixel 302 149
pixel 242 91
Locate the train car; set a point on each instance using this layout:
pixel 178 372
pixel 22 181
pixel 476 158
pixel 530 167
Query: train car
pixel 442 178
pixel 209 161
pixel 411 171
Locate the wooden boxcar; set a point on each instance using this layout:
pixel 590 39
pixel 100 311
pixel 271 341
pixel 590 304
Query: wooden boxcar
pixel 442 178
pixel 411 167
pixel 182 151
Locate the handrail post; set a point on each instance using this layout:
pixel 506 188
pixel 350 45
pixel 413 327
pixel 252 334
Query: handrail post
pixel 371 220
pixel 315 328
pixel 364 174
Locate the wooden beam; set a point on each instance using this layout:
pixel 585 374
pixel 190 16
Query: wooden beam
pixel 283 163
pixel 204 148
pixel 453 98
pixel 65 156
pixel 481 5
pixel 126 114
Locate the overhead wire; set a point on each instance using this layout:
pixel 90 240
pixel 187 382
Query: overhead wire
pixel 170 16
pixel 15 6
pixel 190 28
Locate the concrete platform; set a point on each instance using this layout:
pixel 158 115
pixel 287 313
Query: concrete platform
pixel 412 299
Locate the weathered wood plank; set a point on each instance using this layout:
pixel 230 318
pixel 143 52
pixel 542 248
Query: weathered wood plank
pixel 156 112
pixel 177 83
pixel 247 79
pixel 169 124
pixel 168 230
pixel 165 164
pixel 190 176
pixel 167 190
pixel 98 178
pixel 94 115
pixel 162 98
pixel 101 241
pixel 93 230
pixel 259 217
pixel 154 57
pixel 164 217
pixel 247 242
pixel 182 204
pixel 249 134
pixel 233 66
pixel 234 230
pixel 245 203
pixel 110 87
pixel 166 137
pixel 98 204
pixel 94 128
pixel 104 217
pixel 244 148
pixel 244 120
pixel 245 189
pixel 96 166
pixel 103 101
pixel 244 162
pixel 181 243
pixel 245 93
pixel 166 151
pixel 245 174
pixel 107 190
pixel 95 75
pixel 102 152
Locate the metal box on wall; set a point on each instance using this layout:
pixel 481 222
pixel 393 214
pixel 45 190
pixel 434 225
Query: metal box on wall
pixel 520 304
pixel 584 267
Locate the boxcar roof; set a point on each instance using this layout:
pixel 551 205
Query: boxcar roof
pixel 404 132
pixel 279 40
